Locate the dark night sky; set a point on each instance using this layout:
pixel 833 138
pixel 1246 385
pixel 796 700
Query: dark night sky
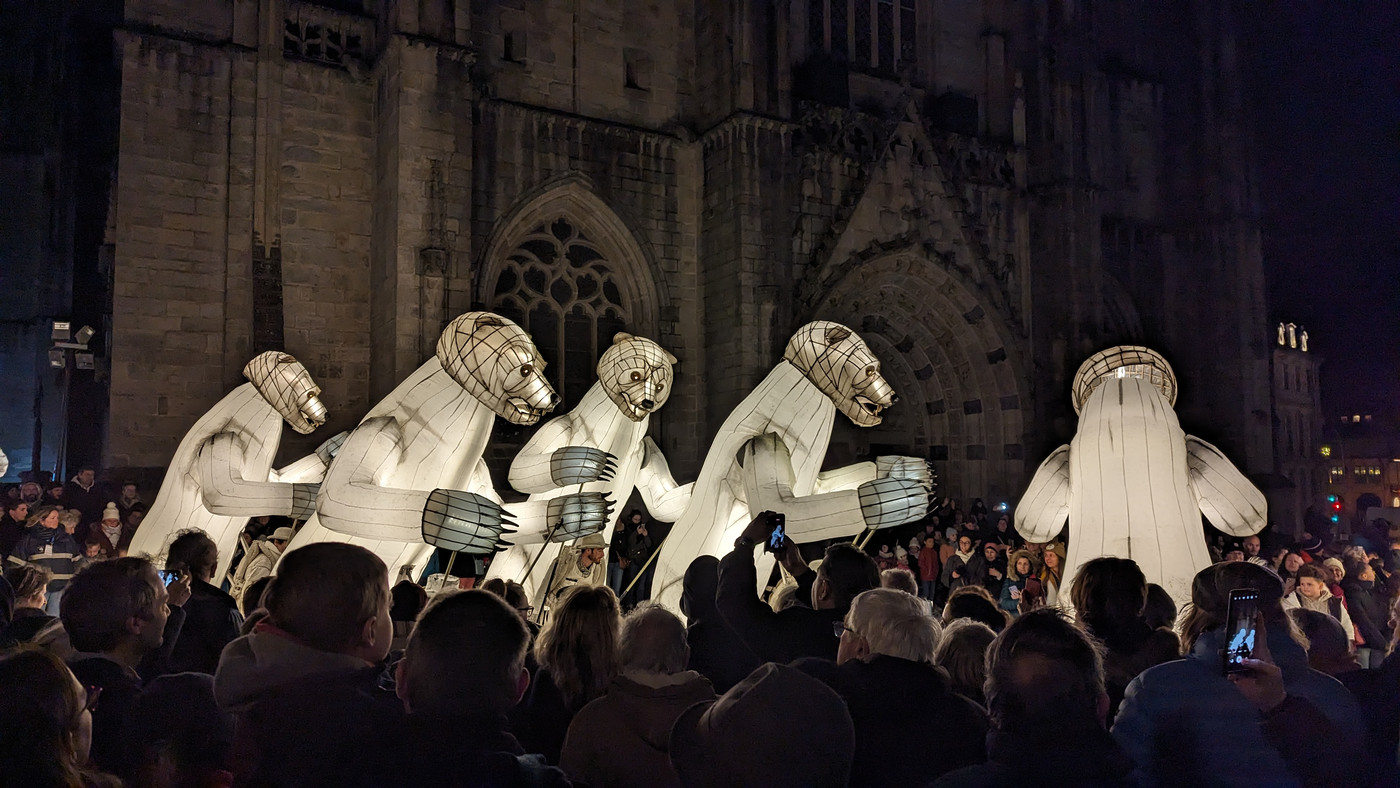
pixel 1325 85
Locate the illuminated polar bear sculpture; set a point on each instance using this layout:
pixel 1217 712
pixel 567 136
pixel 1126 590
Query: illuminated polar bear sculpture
pixel 410 477
pixel 222 472
pixel 1131 483
pixel 768 456
pixel 606 436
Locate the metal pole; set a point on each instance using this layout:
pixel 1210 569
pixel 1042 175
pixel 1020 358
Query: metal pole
pixel 643 570
pixel 61 454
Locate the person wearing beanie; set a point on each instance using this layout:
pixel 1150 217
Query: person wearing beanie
pixel 112 538
pixel 1334 566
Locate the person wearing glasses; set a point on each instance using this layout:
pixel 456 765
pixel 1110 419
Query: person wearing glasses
pixel 46 723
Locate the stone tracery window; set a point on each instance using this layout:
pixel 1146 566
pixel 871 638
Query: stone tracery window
pixel 871 35
pixel 562 289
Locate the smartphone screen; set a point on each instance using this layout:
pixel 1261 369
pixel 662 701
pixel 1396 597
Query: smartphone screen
pixel 1240 631
pixel 168 577
pixel 777 538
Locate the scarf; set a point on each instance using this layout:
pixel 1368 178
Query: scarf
pixel 112 532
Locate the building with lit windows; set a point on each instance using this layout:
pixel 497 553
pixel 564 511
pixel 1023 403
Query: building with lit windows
pixel 1297 428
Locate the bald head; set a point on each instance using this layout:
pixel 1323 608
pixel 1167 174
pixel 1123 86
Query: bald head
pixel 653 640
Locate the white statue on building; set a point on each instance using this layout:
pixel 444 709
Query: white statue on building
pixel 1132 484
pixel 605 437
pixel 768 456
pixel 411 476
pixel 222 472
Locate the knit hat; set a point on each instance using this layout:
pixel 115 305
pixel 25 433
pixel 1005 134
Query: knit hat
pixel 111 513
pixel 1335 563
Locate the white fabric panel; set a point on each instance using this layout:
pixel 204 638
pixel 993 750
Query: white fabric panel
pixel 1226 496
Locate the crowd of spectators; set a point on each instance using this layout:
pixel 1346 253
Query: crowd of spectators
pixel 936 654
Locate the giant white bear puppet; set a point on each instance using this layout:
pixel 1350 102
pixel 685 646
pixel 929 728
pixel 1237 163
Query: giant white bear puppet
pixel 768 456
pixel 1132 483
pixel 222 471
pixel 410 477
pixel 608 428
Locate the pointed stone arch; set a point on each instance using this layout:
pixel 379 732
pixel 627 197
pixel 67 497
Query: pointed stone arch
pixel 568 268
pixel 956 362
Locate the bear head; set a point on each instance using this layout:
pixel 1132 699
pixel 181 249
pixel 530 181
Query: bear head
pixel 636 374
pixel 288 388
pixel 839 363
pixel 1124 361
pixel 497 362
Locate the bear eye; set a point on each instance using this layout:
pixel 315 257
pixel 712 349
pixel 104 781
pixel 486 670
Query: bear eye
pixel 870 371
pixel 525 370
pixel 636 376
pixel 660 386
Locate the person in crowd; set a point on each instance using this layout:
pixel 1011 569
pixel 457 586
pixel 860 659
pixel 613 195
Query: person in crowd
pixel 181 736
pixel 778 728
pixel 884 558
pixel 991 572
pixel 577 655
pixel 1109 595
pixel 929 568
pixel 1020 568
pixel 1160 610
pixel 798 631
pixel 1052 569
pixel 886 651
pixel 640 546
pixel 71 522
pixel 976 603
pixel 962 652
pixel 31 493
pixel 259 559
pixel 1329 650
pixel 582 564
pixel 1288 571
pixel 128 499
pixel 253 597
pixel 1368 611
pixel 134 516
pixel 46 723
pixel 81 493
pixel 92 553
pixel 30 588
pixel 1251 546
pixel 112 537
pixel 1233 554
pixel 899 580
pixel 1311 593
pixel 463 670
pixel 120 617
pixel 212 620
pixel 618 562
pixel 406 600
pixel 955 572
pixel 303 687
pixel 1048 708
pixel 623 738
pixel 1004 536
pixel 12 525
pixel 1186 722
pixel 1377 691
pixel 46 544
pixel 1338 572
pixel 716 650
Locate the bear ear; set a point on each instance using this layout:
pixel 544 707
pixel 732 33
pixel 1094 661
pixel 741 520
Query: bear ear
pixel 836 335
pixel 621 336
pixel 670 357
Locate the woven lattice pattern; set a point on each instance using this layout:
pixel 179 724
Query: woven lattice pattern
pixel 1124 361
pixel 288 387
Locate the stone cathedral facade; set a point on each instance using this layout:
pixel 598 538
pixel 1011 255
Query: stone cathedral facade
pixel 987 191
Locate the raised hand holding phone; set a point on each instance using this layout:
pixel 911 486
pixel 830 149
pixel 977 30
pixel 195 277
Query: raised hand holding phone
pixel 1258 678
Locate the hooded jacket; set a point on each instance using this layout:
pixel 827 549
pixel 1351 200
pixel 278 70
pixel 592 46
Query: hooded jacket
pixel 257 563
pixel 623 738
pixel 304 716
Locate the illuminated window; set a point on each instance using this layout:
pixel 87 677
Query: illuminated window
pixel 1395 502
pixel 1355 419
pixel 1335 474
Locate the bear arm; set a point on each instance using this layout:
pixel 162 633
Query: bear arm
pixel 1043 510
pixel 227 493
pixel 767 474
pixel 847 478
pixel 307 469
pixel 1226 496
pixel 664 498
pixel 353 503
pixel 530 470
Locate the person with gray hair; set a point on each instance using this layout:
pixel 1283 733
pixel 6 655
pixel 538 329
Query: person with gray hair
pixel 887 641
pixel 623 738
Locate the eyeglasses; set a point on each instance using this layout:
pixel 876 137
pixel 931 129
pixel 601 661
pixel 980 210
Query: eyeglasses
pixel 839 628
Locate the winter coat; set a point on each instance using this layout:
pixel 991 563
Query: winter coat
pixel 212 621
pixel 257 563
pixel 1325 603
pixel 1083 756
pixel 945 729
pixel 716 650
pixel 1367 611
pixel 623 738
pixel 541 720
pixel 51 548
pixel 305 716
pixel 957 562
pixel 113 750
pixel 24 625
pixel 11 531
pixel 928 565
pixel 463 752
pixel 110 548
